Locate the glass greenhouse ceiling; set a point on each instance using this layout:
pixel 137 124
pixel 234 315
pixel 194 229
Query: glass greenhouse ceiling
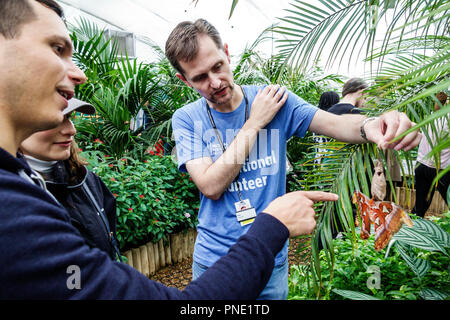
pixel 154 20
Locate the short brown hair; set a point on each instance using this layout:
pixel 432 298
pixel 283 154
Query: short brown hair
pixel 182 44
pixel 353 85
pixel 15 13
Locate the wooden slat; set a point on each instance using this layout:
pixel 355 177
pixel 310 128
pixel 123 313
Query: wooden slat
pixel 168 252
pixel 129 257
pixel 162 254
pixel 151 258
pixel 144 261
pixel 136 259
pixel 156 251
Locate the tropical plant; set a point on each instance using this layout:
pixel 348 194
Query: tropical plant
pixel 409 64
pixel 415 266
pixel 121 89
pixel 422 246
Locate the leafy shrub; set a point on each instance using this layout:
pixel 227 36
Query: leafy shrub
pixel 351 272
pixel 153 197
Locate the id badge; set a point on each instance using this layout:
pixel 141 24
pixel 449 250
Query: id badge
pixel 245 213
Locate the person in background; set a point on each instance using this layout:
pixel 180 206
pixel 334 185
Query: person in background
pixel 426 171
pixel 328 99
pixel 43 256
pixel 92 207
pixel 352 97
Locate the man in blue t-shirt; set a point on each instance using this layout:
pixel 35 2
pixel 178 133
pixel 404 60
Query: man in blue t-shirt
pixel 233 143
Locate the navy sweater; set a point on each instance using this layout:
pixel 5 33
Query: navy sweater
pixel 39 247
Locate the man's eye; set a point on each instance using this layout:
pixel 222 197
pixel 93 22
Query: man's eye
pixel 199 78
pixel 58 48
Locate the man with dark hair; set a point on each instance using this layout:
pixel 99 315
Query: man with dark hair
pixel 42 255
pixel 17 13
pixel 186 35
pixel 232 142
pixel 352 97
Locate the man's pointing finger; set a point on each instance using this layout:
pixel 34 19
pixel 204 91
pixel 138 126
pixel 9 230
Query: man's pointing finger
pixel 317 196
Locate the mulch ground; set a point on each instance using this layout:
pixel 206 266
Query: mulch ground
pixel 180 274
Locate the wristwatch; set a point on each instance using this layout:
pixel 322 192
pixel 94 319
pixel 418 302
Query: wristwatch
pixel 363 132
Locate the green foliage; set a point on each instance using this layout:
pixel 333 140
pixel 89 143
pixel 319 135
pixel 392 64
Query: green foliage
pixel 153 197
pixel 408 66
pixel 426 235
pixel 120 88
pixel 350 271
pixel 406 272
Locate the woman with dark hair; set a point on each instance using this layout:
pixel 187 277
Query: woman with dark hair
pixel 92 207
pixel 327 99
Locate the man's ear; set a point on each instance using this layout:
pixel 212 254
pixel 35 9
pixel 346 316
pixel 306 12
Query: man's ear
pixel 225 49
pixel 182 78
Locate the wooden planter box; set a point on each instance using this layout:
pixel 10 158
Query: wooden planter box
pixel 151 257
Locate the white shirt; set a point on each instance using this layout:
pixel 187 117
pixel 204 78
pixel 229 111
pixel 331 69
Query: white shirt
pixel 38 165
pixel 425 148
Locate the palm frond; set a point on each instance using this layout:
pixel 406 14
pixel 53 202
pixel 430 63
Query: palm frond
pixel 354 26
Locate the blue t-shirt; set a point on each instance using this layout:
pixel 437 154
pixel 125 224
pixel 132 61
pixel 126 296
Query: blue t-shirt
pixel 262 177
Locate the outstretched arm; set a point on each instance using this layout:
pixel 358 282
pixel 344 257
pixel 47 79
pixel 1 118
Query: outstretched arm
pixel 382 130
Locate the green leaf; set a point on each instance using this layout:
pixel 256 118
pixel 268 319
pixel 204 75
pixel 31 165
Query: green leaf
pixel 233 6
pixel 354 295
pixel 416 237
pixel 433 230
pixel 433 294
pixel 418 266
pixel 448 194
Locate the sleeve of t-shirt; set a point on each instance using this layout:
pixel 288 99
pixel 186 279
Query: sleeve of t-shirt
pixel 189 143
pixel 299 115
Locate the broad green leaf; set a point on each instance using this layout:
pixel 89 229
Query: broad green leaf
pixel 415 237
pixel 354 295
pixel 433 294
pixel 432 230
pixel 418 266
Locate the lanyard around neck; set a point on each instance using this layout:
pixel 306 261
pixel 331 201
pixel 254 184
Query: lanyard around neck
pixel 211 119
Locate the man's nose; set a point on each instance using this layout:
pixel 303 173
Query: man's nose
pixel 215 82
pixel 76 75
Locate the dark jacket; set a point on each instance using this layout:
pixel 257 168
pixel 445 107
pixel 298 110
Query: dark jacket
pixel 42 253
pixel 344 108
pixel 83 213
